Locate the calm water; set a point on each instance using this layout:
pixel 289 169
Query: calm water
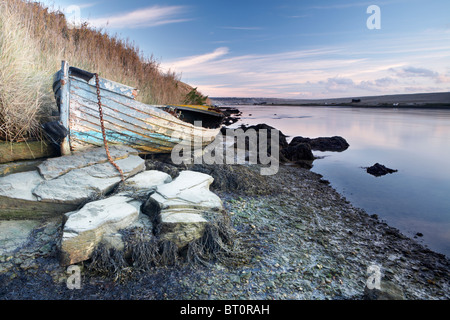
pixel 416 142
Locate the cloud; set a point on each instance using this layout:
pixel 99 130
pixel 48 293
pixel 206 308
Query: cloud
pixel 88 5
pixel 417 72
pixel 242 28
pixel 337 84
pixel 411 72
pixel 355 4
pixel 142 18
pixel 193 61
pixel 333 71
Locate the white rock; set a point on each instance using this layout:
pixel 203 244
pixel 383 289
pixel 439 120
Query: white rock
pixel 85 228
pixel 180 207
pixel 55 167
pixel 69 181
pixel 17 200
pixel 189 189
pixel 145 182
pixel 20 185
pixel 79 185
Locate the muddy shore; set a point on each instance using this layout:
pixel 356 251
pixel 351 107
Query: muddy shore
pixel 301 239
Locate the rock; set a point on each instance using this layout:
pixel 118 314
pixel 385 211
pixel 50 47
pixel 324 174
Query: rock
pixel 188 189
pixel 56 167
pixel 336 143
pixel 113 241
pixel 387 291
pixel 229 118
pixel 20 185
pixel 180 208
pixel 300 151
pixel 378 170
pixel 85 228
pixel 14 234
pixel 60 185
pixel 144 183
pixel 262 126
pixel 18 166
pixel 17 200
pixel 78 185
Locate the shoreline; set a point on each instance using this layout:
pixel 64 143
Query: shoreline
pixel 305 242
pixel 356 105
pixel 438 100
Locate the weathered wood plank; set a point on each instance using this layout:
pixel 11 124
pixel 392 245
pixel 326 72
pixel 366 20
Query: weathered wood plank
pixel 19 166
pixel 20 209
pixel 126 121
pixel 115 87
pixel 31 150
pixel 65 105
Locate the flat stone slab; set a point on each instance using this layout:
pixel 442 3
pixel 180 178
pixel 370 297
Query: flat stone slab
pixel 181 207
pixel 18 166
pixel 55 167
pixel 85 228
pixel 17 200
pixel 14 234
pixel 189 189
pixel 60 185
pixel 78 185
pixel 144 183
pixel 20 185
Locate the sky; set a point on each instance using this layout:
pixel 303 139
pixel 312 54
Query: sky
pixel 285 49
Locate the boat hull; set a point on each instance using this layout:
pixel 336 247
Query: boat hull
pixel 147 128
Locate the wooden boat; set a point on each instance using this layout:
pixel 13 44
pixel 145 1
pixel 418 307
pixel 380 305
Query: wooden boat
pixel 147 128
pixel 210 116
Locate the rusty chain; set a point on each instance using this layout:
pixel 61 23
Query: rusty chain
pixel 105 143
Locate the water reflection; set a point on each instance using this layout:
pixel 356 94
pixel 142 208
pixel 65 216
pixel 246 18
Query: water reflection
pixel 416 142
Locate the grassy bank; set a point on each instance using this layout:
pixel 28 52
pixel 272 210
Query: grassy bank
pixel 34 40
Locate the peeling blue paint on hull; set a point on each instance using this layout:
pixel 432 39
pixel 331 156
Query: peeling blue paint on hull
pixel 147 128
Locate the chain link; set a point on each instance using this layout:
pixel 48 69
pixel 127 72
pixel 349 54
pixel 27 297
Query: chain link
pixel 105 143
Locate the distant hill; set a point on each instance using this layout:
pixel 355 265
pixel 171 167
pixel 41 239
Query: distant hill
pixel 439 99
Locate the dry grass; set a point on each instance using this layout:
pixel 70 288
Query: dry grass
pixel 34 40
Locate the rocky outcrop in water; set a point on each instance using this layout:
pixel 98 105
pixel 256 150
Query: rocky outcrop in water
pixel 379 170
pixel 299 151
pixel 336 143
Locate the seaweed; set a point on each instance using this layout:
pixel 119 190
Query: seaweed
pixel 145 251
